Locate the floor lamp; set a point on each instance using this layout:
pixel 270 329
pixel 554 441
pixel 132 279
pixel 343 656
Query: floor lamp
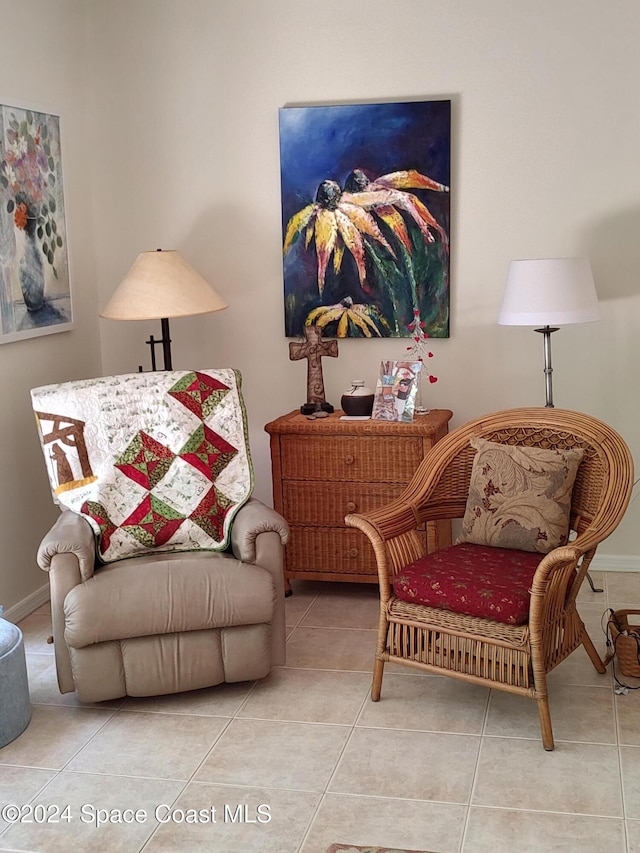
pixel 161 285
pixel 549 293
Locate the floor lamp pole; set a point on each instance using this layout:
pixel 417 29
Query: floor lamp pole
pixel 165 340
pixel 166 344
pixel 548 369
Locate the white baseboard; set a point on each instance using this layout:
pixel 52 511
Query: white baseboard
pixel 616 563
pixel 26 607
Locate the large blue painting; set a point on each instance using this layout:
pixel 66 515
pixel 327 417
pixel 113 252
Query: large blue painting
pixel 365 216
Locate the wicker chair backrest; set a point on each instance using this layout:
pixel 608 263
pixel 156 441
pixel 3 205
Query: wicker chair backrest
pixel 603 484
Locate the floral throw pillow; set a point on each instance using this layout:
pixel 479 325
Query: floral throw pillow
pixel 519 497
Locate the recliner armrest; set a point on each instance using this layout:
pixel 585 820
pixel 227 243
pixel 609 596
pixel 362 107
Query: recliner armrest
pixel 70 534
pixel 73 534
pixel 253 519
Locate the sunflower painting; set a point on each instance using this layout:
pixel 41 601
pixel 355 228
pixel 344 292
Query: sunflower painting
pixel 365 217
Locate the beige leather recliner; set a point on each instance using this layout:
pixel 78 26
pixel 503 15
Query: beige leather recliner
pixel 166 623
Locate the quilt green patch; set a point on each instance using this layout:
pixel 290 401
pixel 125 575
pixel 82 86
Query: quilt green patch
pixel 146 461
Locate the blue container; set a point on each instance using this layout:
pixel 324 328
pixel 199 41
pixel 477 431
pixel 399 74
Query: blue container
pixel 15 707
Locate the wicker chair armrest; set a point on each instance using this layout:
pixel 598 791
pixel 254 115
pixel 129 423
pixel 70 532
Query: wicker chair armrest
pixel 392 550
pixel 571 554
pixel 403 514
pixel 558 557
pixel 393 528
pixel 555 584
pixel 389 521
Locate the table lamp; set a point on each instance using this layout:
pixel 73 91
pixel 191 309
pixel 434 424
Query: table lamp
pixel 161 285
pixel 549 293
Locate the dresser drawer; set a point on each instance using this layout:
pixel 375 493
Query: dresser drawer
pixel 381 459
pixel 319 549
pixel 326 504
pixel 330 550
pixel 326 468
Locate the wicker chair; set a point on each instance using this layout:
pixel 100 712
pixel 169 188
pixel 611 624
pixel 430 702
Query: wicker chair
pixel 514 658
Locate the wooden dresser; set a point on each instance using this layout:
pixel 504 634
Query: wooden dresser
pixel 325 468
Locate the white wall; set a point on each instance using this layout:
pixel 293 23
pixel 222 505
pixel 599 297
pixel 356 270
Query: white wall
pixel 545 164
pixel 42 65
pixel 183 148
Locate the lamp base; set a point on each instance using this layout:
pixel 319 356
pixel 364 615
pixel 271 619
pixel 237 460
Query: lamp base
pixel 165 340
pixel 548 369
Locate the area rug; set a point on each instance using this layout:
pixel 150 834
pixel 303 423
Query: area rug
pixel 354 848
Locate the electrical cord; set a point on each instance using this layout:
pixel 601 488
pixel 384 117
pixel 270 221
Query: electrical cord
pixel 612 643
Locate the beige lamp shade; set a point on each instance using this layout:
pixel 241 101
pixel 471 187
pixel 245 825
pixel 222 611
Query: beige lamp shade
pixel 159 285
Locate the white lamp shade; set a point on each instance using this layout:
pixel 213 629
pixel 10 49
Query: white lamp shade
pixel 549 292
pixel 162 284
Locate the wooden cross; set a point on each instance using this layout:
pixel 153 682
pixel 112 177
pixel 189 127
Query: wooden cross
pixel 313 349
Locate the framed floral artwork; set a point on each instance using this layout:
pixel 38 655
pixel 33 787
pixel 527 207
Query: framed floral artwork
pixel 35 293
pixel 365 218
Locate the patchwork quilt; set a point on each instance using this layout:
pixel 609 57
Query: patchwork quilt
pixel 154 461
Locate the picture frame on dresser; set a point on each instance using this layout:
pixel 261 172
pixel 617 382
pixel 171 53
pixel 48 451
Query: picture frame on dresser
pixel 326 468
pixel 396 390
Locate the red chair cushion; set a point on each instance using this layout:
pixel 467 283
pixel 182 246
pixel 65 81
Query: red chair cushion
pixel 474 580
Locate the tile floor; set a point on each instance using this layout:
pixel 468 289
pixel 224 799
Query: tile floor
pixel 304 758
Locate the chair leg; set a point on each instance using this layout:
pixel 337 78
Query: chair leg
pixel 381 645
pixel 596 660
pixel 376 686
pixel 545 723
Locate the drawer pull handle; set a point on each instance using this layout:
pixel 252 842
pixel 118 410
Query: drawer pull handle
pixel 353 552
pixel 351 506
pixel 349 459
